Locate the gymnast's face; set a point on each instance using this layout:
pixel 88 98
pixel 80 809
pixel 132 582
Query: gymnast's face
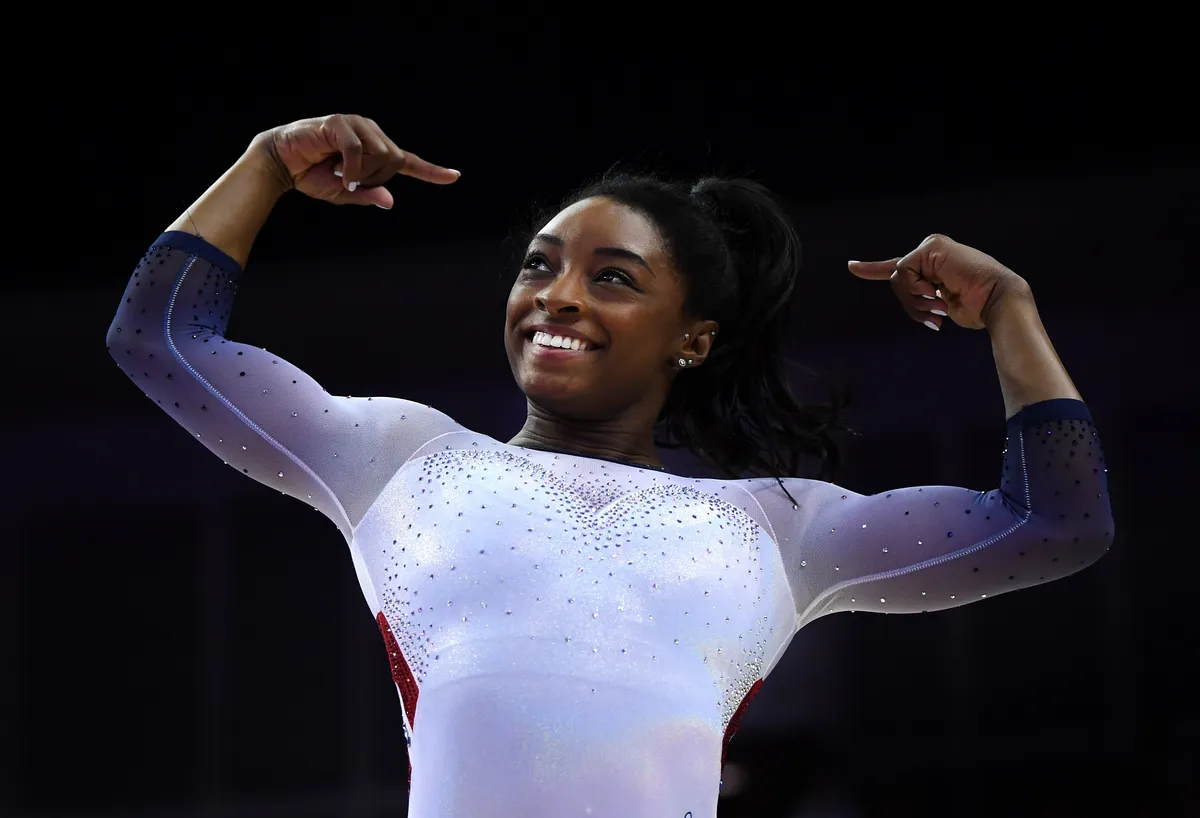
pixel 595 314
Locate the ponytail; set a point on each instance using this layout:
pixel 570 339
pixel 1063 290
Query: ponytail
pixel 739 255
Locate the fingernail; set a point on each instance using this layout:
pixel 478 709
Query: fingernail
pixel 854 261
pixel 381 207
pixel 338 174
pixel 931 325
pixel 938 312
pixel 456 172
pixel 930 297
pixel 352 186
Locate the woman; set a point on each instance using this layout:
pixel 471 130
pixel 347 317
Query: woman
pixel 572 630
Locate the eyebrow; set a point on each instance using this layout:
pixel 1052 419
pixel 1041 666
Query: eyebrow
pixel 613 252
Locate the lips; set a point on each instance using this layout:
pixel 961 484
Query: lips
pixel 543 340
pixel 553 336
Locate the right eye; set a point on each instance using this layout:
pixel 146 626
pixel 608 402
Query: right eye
pixel 536 261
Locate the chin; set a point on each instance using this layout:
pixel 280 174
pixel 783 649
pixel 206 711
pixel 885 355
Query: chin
pixel 559 383
pixel 557 392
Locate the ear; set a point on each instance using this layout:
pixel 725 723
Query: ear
pixel 697 342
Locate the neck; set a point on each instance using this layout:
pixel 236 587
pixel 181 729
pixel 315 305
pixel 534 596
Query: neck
pixel 625 439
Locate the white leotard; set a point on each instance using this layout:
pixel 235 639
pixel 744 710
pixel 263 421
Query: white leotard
pixel 572 636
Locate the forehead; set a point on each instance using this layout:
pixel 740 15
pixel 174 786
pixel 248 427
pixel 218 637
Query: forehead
pixel 604 222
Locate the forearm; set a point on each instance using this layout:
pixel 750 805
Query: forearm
pixel 927 548
pixel 1029 368
pixel 232 211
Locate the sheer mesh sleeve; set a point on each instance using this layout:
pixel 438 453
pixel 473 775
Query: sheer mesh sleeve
pixel 934 547
pixel 260 414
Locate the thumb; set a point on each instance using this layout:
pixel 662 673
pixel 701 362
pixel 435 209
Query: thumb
pixel 874 270
pixel 378 196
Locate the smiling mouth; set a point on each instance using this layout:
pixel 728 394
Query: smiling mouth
pixel 545 342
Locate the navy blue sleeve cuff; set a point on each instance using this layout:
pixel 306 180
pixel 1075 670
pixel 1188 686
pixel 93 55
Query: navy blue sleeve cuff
pixel 1047 410
pixel 198 247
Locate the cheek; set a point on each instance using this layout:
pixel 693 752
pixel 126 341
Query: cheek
pixel 515 307
pixel 641 334
pixel 516 311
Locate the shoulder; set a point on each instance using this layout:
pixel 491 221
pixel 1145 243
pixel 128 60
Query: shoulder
pixel 781 505
pixel 393 410
pixel 771 491
pixel 403 426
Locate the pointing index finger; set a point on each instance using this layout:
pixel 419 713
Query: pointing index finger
pixel 416 167
pixel 874 270
pixel 410 164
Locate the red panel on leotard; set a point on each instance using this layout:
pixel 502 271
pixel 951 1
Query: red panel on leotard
pixel 402 675
pixel 736 720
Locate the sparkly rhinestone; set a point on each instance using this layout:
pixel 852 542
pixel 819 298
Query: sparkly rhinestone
pixel 559 508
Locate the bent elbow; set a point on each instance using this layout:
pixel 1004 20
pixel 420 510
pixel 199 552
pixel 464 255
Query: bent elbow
pixel 122 340
pixel 1083 543
pixel 112 339
pixel 1091 546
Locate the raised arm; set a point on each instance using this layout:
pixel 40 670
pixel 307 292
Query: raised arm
pixel 260 414
pixel 932 547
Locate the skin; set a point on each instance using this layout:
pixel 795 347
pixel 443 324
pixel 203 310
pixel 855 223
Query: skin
pixel 605 402
pixel 941 277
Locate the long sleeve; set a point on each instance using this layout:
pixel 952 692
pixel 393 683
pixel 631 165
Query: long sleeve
pixel 257 412
pixel 934 547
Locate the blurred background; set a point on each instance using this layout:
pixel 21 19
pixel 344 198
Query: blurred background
pixel 180 641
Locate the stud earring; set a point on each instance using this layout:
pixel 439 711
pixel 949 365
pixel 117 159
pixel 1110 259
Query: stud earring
pixel 686 336
pixel 684 362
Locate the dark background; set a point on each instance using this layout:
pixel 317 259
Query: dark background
pixel 182 642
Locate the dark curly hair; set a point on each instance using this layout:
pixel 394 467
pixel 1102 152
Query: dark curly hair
pixel 739 256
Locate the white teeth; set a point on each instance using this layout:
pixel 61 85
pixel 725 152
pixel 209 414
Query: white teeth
pixel 559 341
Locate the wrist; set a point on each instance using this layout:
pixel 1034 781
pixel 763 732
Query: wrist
pixel 261 159
pixel 1009 290
pixel 232 211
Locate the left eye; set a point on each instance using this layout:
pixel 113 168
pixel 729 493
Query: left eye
pixel 612 274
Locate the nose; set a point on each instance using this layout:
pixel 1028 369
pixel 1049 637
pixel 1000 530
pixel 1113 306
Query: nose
pixel 565 294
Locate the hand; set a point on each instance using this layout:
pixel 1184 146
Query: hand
pixel 342 159
pixel 944 278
